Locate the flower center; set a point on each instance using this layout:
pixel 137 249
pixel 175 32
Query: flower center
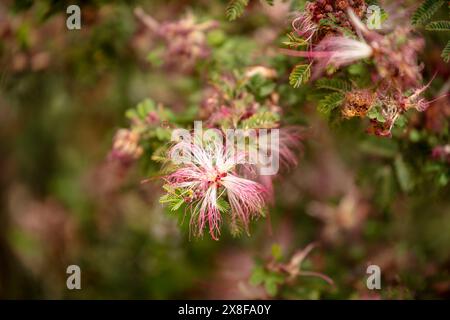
pixel 217 177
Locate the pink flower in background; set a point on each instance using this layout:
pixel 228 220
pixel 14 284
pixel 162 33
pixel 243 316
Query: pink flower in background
pixel 290 142
pixel 126 148
pixel 441 153
pixel 206 174
pixel 186 39
pixel 287 148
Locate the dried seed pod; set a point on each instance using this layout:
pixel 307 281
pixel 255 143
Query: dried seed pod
pixel 357 103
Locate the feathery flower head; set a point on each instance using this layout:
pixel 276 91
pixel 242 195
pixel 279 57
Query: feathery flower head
pixel 304 26
pixel 394 54
pixel 341 51
pixel 207 181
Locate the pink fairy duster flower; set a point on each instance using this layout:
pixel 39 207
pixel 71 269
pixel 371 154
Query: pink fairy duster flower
pixel 336 51
pixel 304 26
pixel 206 173
pixel 341 51
pixel 394 54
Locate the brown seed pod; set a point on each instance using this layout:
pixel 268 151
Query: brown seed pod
pixel 357 103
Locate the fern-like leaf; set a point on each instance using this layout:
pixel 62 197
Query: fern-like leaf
pixel 446 53
pixel 260 120
pixel 330 102
pixel 300 75
pixel 426 10
pixel 334 84
pixel 235 9
pixel 294 41
pixel 438 26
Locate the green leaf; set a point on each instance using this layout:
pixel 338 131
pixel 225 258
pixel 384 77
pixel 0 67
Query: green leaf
pixel 357 69
pixel 330 102
pixel 223 205
pixel 277 252
pixel 403 174
pixel 271 287
pixel 163 134
pixel 142 109
pixel 294 41
pixel 260 120
pixel 175 206
pixel 271 283
pixel 258 276
pixel 379 147
pixel 300 75
pixel 375 114
pixel 438 26
pixel 386 186
pixel 426 10
pixel 260 86
pixel 173 199
pixel 235 9
pixel 446 53
pixel 334 84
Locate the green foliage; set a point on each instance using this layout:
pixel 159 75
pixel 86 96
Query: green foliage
pixel 261 87
pixel 173 198
pixel 334 84
pixel 223 205
pixel 270 280
pixel 300 75
pixel 404 177
pixel 264 119
pixel 446 52
pixel 235 9
pixel 376 114
pixel 294 42
pixel 426 10
pixel 438 26
pixel 330 102
pixel 277 252
pixel 225 57
pixel 141 111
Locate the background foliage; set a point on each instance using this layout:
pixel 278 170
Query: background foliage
pixel 363 199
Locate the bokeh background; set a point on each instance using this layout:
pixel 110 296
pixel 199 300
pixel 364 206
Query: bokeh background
pixel 63 94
